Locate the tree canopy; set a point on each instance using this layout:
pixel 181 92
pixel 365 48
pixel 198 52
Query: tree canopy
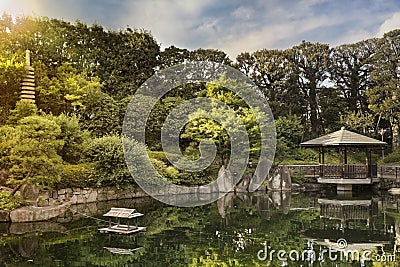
pixel 85 76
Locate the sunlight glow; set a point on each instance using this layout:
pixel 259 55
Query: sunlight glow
pixel 16 7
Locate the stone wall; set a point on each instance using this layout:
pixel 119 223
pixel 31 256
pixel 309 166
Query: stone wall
pixel 86 195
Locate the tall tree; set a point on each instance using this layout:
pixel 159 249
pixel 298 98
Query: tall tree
pixel 173 55
pixel 273 74
pixel 350 71
pixel 213 55
pixel 11 74
pixel 384 94
pixel 311 65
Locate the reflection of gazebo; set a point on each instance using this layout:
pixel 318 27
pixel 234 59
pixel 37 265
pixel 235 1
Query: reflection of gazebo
pixel 344 175
pixel 348 210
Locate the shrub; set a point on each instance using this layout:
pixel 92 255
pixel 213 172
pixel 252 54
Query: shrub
pixel 298 176
pixel 107 155
pixel 393 158
pixel 77 175
pixel 73 137
pixel 10 202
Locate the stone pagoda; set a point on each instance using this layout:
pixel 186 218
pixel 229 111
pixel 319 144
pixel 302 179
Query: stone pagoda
pixel 28 83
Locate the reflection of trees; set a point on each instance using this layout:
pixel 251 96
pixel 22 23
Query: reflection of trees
pixel 184 236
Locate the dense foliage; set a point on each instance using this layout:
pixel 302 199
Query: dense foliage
pixel 86 75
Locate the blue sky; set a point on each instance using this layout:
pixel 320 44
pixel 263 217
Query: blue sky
pixel 233 26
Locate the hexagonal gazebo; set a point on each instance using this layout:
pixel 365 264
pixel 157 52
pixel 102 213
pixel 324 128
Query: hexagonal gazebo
pixel 344 175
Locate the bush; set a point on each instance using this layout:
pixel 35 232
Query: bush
pixel 8 202
pixel 23 109
pixel 298 176
pixel 393 158
pixel 73 137
pixel 79 175
pixel 107 155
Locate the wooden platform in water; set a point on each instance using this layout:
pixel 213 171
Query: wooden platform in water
pixel 348 181
pixel 122 229
pixel 123 251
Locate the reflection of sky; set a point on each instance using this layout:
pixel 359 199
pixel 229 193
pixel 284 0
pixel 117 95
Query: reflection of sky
pixel 232 26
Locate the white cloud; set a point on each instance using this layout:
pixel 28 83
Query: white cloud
pixel 172 22
pixel 232 26
pixel 271 36
pixel 390 24
pixel 243 13
pixel 353 36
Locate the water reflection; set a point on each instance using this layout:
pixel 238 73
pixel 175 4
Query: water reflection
pixel 230 231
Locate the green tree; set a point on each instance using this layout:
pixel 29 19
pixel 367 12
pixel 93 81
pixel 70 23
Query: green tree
pixel 384 94
pixel 11 74
pixel 213 55
pixel 202 127
pixel 359 122
pixel 107 155
pixel 272 72
pixel 34 157
pixel 22 109
pixel 290 130
pixel 101 115
pixel 311 64
pixel 350 71
pixel 73 137
pixel 173 55
pixel 65 91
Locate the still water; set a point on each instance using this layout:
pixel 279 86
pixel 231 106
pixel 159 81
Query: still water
pixel 263 229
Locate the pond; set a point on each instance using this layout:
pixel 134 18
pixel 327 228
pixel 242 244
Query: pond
pixel 262 229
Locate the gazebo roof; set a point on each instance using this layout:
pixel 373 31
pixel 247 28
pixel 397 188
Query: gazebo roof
pixel 343 138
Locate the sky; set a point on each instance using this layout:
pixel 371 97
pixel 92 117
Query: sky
pixel 233 26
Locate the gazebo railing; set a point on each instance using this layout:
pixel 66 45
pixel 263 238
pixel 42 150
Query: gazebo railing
pixel 347 171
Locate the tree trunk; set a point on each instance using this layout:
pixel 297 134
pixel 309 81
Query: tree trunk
pixel 395 133
pixel 16 189
pixel 313 111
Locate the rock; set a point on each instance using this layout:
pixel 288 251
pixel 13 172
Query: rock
pixel 74 199
pixel 92 197
pixel 260 174
pixel 33 214
pixel 298 187
pixel 281 180
pixel 33 227
pixel 4 216
pixel 225 180
pixel 101 195
pixel 313 187
pixel 3 176
pixel 225 204
pixel 30 192
pixel 243 184
pixel 61 192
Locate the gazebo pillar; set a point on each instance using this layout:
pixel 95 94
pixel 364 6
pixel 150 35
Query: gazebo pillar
pixel 321 160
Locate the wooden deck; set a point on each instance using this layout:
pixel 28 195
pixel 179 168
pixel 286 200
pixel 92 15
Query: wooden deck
pixel 347 181
pixel 345 174
pixel 122 229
